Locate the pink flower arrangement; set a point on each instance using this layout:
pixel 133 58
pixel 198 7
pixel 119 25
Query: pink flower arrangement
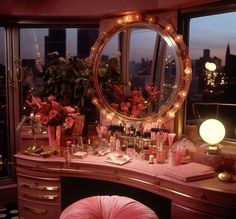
pixel 51 112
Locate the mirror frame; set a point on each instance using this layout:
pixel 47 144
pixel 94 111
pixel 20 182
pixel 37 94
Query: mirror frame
pixel 170 35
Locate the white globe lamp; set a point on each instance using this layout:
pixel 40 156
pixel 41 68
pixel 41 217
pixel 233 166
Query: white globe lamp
pixel 212 131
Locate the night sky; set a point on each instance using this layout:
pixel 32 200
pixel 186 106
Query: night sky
pixel 213 32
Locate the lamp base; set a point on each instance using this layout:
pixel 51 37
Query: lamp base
pixel 213 150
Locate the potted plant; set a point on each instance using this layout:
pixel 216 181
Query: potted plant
pixel 69 79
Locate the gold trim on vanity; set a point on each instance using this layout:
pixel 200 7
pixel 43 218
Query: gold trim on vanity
pixel 39 197
pixel 35 210
pixel 210 196
pixel 38 187
pixel 116 176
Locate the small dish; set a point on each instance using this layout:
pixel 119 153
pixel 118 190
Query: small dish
pixel 117 158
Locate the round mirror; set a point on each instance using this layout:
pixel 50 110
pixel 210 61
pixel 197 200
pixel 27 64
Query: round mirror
pixel 141 70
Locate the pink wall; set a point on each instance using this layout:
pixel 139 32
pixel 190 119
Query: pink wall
pixel 87 8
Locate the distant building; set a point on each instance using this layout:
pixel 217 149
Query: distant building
pixel 55 41
pixel 86 39
pixel 208 82
pixel 230 70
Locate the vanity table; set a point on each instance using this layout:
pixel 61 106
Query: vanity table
pixel 41 188
pixel 141 98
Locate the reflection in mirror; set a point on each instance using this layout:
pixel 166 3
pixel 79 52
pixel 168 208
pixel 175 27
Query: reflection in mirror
pixel 141 71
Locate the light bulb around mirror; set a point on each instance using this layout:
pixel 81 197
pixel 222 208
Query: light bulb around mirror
pixel 177 105
pixel 188 71
pixel 179 38
pixel 169 28
pixel 212 131
pixel 183 93
pixel 119 21
pixel 171 114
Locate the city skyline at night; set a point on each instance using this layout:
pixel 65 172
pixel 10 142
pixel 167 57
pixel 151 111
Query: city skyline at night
pixel 213 32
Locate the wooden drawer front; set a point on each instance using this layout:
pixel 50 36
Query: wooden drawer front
pixel 36 210
pixel 178 211
pixel 42 190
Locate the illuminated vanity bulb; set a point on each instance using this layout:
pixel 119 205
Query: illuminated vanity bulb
pixel 119 21
pixel 171 114
pixel 177 105
pixel 109 116
pixel 183 93
pixel 137 17
pixel 188 71
pixel 169 28
pixel 128 18
pixel 160 120
pixel 178 38
pixel 151 19
pixel 104 33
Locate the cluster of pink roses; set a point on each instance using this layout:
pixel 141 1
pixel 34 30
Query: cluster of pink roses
pixel 51 112
pixel 135 103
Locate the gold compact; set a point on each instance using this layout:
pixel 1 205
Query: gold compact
pixel 225 177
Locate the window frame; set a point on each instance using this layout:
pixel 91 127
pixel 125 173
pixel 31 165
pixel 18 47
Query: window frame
pixel 183 25
pixel 12 26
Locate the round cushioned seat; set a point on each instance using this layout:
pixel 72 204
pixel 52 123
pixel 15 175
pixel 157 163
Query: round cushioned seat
pixel 108 207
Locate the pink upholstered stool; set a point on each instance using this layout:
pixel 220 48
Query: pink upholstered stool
pixel 108 207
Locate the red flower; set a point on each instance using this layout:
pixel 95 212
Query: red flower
pixel 69 122
pixel 151 92
pixel 53 113
pixel 135 111
pixel 137 97
pixel 125 106
pixel 114 105
pixel 43 119
pixel 140 107
pixel 51 98
pixel 69 109
pixel 118 91
pixel 135 103
pixel 55 105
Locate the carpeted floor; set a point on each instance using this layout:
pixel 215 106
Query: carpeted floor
pixel 9 211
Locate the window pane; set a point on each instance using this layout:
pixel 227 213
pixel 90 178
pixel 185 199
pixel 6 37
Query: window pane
pixel 37 46
pixel 3 107
pixel 142 45
pixel 213 50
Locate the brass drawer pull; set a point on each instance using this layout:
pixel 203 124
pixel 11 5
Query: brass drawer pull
pixel 38 196
pixel 35 210
pixel 39 187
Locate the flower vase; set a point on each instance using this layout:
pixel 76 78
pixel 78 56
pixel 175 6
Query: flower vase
pixel 54 135
pixel 78 125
